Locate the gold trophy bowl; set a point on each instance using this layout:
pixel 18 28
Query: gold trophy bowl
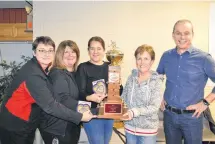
pixel 114 57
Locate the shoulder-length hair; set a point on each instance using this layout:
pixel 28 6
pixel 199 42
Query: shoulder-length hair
pixel 58 60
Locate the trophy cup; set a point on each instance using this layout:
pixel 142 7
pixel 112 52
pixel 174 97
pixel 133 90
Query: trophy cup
pixel 113 107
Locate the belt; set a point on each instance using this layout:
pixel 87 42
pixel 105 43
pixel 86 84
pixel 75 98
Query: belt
pixel 178 111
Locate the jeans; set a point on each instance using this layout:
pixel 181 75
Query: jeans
pixel 178 126
pixel 99 131
pixel 134 139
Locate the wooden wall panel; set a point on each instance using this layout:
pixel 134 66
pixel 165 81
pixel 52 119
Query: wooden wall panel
pixel 14 32
pixel 1 15
pixel 13 25
pixel 18 16
pixel 6 15
pixel 13 15
pixel 24 16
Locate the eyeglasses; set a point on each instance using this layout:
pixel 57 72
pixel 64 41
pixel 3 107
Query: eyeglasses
pixel 45 52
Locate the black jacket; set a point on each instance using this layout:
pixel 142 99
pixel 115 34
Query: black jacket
pixel 27 96
pixel 66 92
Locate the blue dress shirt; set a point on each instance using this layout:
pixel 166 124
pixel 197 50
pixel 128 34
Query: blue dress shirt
pixel 186 76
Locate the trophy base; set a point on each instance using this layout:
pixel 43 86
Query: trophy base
pixel 112 110
pixel 114 117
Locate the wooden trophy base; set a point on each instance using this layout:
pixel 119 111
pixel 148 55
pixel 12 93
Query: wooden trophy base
pixel 113 107
pixel 112 110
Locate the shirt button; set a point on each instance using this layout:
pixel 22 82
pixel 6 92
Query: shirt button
pixel 179 66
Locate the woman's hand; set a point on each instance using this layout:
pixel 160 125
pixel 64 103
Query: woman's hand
pixel 87 116
pixel 128 116
pixel 162 106
pixel 96 97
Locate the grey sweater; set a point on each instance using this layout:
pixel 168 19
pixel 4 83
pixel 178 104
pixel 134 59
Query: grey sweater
pixel 143 99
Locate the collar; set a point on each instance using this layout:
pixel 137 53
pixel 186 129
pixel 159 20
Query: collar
pixel 189 50
pixel 154 75
pixel 34 59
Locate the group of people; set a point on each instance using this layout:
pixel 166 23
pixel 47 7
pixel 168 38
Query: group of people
pixel 46 91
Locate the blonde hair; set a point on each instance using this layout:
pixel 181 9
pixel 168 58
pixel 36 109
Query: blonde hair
pixel 146 48
pixel 58 60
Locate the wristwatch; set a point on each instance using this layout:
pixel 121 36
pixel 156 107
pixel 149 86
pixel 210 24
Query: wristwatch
pixel 205 102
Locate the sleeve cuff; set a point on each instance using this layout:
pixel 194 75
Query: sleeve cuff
pixel 83 97
pixel 79 117
pixel 135 112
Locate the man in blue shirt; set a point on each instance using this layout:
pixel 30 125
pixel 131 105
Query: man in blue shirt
pixel 187 70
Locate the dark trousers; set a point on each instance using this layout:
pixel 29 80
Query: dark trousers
pixel 71 136
pixel 212 127
pixel 178 126
pixel 16 137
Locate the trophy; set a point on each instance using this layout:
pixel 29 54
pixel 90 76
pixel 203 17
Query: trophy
pixel 113 107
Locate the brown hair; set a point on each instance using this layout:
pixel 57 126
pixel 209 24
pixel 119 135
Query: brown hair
pixel 58 60
pixel 44 40
pixel 182 21
pixel 146 48
pixel 98 39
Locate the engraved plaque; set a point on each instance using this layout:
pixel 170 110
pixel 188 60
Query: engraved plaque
pixel 113 108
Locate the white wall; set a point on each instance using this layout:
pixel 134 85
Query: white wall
pixel 212 35
pixel 212 30
pixel 130 24
pixel 211 84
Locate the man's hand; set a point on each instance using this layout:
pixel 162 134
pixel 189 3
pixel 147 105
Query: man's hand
pixel 199 108
pixel 87 116
pixel 163 103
